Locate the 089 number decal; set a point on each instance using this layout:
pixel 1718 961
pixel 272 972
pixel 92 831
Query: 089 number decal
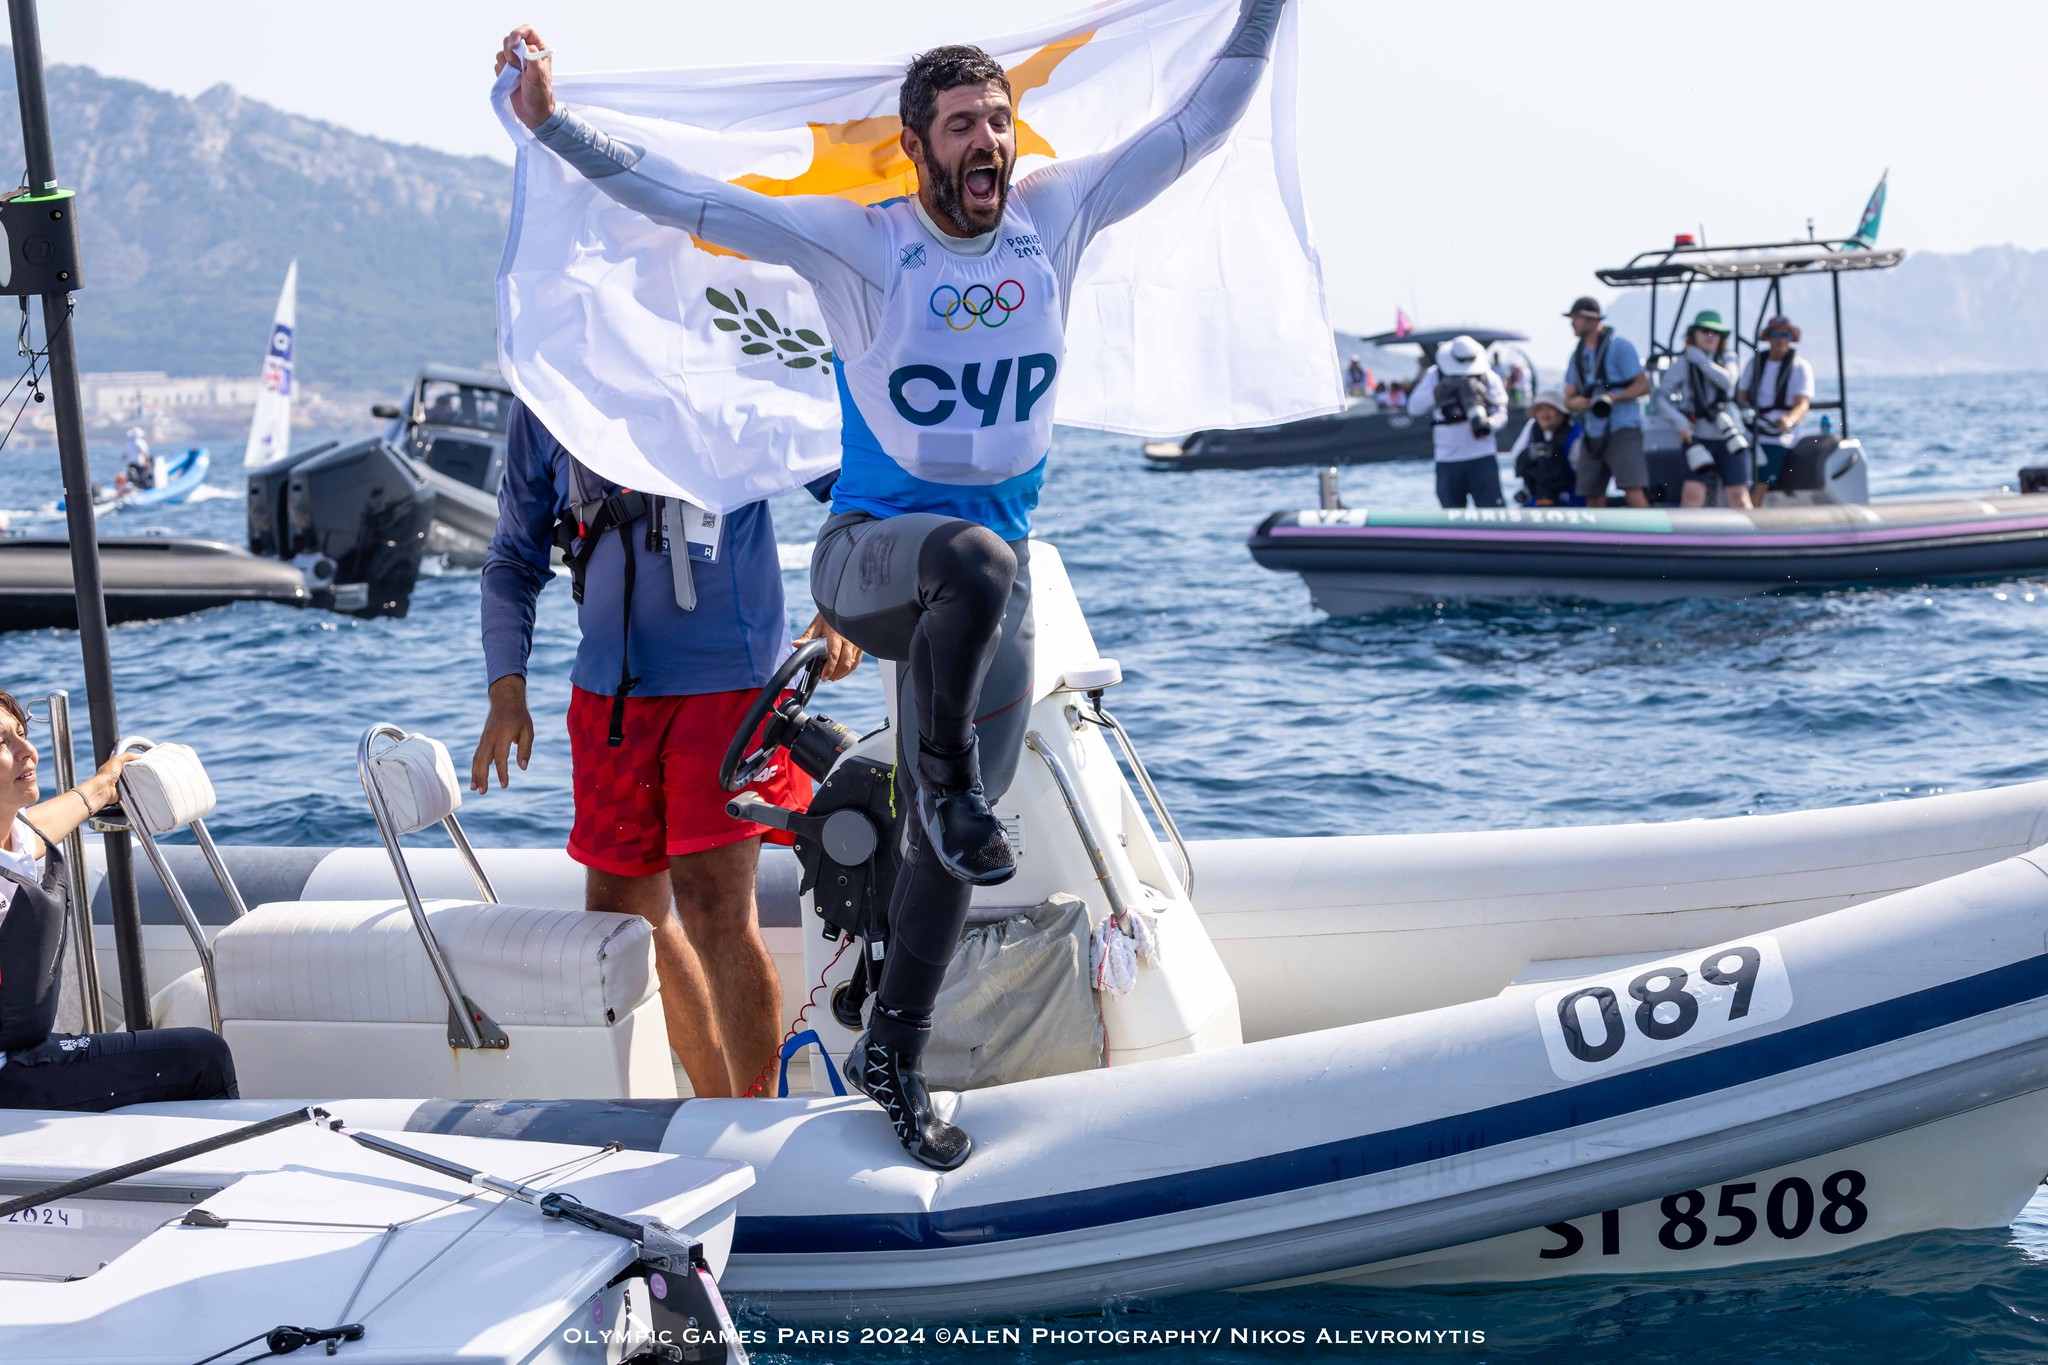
pixel 1613 1021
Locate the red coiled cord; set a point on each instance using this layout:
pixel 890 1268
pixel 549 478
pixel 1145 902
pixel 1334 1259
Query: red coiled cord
pixel 758 1088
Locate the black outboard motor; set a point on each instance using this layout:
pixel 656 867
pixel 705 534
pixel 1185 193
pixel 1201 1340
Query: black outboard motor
pixel 363 507
pixel 353 517
pixel 2034 479
pixel 1806 468
pixel 269 517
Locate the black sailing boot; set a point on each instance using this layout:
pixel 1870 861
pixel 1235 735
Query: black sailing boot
pixel 963 832
pixel 893 1077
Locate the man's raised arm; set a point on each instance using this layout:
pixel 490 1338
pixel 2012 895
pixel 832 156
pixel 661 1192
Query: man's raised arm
pixel 827 240
pixel 1073 200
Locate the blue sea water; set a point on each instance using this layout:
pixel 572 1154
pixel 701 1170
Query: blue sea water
pixel 1244 700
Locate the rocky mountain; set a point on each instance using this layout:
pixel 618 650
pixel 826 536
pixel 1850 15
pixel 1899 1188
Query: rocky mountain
pixel 189 210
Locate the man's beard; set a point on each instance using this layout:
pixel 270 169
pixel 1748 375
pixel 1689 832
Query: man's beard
pixel 949 193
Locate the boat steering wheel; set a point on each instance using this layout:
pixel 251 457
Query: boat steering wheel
pixel 779 719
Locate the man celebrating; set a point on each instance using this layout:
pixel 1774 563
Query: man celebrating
pixel 947 379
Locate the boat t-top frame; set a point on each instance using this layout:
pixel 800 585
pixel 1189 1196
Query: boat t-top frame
pixel 1489 337
pixel 1684 264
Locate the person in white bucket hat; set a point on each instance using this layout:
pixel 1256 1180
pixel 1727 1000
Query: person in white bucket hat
pixel 1466 401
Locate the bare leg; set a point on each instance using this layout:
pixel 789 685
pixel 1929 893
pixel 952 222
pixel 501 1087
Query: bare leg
pixel 1636 497
pixel 685 1003
pixel 1736 495
pixel 1693 494
pixel 715 898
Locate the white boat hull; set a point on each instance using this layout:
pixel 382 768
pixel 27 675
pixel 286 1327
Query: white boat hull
pixel 1822 1206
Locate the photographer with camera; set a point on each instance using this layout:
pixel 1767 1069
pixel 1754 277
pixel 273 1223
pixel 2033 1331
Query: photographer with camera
pixel 1468 404
pixel 1778 382
pixel 1697 395
pixel 1601 385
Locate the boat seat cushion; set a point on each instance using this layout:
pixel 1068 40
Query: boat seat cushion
pixel 416 778
pixel 166 789
pixel 362 961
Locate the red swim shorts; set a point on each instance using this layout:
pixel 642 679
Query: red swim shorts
pixel 657 795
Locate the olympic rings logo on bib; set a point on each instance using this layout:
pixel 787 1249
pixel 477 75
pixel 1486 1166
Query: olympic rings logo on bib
pixel 977 303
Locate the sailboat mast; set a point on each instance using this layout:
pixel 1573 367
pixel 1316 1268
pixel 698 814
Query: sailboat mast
pixel 78 509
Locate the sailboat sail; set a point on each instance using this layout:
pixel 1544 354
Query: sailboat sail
pixel 270 430
pixel 1873 214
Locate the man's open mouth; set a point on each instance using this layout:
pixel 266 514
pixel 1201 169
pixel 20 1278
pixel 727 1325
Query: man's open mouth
pixel 981 185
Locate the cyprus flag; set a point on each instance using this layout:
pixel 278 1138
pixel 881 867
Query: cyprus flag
pixel 672 366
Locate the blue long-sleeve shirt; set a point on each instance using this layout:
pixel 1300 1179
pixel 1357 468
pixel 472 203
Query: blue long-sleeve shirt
pixel 732 640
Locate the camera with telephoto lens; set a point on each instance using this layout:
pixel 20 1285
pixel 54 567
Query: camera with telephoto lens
pixel 1728 427
pixel 1698 458
pixel 1602 406
pixel 1480 425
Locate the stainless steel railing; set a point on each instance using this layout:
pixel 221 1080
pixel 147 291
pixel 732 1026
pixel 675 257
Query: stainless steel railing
pixel 468 1025
pixel 86 965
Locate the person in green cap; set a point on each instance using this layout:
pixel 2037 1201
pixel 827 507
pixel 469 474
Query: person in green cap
pixel 1697 395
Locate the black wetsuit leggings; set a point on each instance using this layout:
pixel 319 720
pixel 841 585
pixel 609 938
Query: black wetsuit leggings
pixel 95 1071
pixel 101 1071
pixel 951 603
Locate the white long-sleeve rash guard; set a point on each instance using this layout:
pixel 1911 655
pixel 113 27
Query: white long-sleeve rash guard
pixel 908 448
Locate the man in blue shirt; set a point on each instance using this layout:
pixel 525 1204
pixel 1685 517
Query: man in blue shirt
pixel 1602 384
pixel 645 741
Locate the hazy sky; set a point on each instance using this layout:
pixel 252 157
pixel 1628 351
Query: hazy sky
pixel 1471 163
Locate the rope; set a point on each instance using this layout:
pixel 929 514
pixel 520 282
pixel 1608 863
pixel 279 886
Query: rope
pixel 33 375
pixel 283 1340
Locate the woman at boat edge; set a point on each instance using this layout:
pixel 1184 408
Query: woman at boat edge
pixel 44 1070
pixel 1698 387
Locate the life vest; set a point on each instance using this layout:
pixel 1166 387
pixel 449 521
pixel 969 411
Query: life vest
pixel 1784 385
pixel 1458 396
pixel 596 507
pixel 1576 374
pixel 32 935
pixel 1703 398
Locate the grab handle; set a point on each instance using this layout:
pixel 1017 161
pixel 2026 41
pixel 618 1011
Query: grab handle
pixel 797 1044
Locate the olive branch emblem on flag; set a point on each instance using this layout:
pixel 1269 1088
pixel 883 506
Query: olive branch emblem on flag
pixel 760 334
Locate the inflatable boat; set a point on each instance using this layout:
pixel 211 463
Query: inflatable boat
pixel 1359 560
pixel 1362 434
pixel 146 578
pixel 1420 1059
pixel 1818 527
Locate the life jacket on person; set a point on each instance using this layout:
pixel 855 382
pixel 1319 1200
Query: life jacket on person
pixel 1545 466
pixel 1781 401
pixel 32 935
pixel 1576 374
pixel 1703 397
pixel 1458 396
pixel 597 507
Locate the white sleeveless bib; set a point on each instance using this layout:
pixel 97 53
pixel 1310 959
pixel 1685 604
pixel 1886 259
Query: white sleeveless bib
pixel 959 384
